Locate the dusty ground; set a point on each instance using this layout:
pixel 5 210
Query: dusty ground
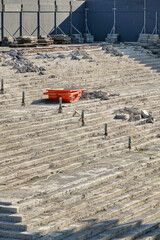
pixel 36 132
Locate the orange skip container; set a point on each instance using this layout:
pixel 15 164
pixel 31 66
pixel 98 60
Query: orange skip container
pixel 67 96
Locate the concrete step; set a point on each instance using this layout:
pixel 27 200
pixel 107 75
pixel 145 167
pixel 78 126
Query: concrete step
pixel 12 226
pixel 140 231
pixel 21 173
pixel 97 202
pixel 95 228
pixel 152 235
pixel 19 235
pixel 10 217
pixel 57 163
pixel 127 168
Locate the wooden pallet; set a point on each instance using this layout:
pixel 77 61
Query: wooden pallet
pixel 17 45
pixel 62 42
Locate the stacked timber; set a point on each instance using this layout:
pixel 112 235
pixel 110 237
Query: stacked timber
pixel 7 41
pixel 44 41
pixel 24 41
pixel 30 41
pixel 61 39
pixel 112 38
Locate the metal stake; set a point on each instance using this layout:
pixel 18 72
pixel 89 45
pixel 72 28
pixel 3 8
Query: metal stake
pixel 23 98
pixel 2 86
pixel 82 117
pixel 129 143
pixel 60 105
pixel 106 129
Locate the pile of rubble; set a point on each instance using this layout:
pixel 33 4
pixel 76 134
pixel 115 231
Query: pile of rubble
pixel 112 50
pixel 134 114
pixel 77 55
pixel 97 94
pixel 74 55
pixel 45 55
pixel 21 64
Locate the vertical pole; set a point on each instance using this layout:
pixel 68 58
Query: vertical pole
pixel 82 117
pixel 2 21
pixel 60 105
pixel 86 21
pixel 114 26
pixel 55 17
pixel 70 25
pixel 106 129
pixel 156 22
pixel 144 16
pixel 21 15
pixel 23 98
pixel 2 86
pixel 129 143
pixel 38 20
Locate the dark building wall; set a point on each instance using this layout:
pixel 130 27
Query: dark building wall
pixel 129 17
pixel 21 17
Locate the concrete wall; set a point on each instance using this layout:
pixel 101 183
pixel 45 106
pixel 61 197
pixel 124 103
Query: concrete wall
pixel 129 17
pixel 39 17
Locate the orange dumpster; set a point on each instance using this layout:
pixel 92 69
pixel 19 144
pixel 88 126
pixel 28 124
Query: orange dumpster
pixel 67 96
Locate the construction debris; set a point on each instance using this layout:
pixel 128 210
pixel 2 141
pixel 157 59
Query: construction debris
pixel 77 55
pixel 145 114
pixel 113 51
pixel 95 94
pixel 134 114
pixel 121 116
pixel 21 64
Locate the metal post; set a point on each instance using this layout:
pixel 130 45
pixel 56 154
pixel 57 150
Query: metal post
pixel 2 21
pixel 82 117
pixel 55 17
pixel 71 20
pixel 2 86
pixel 23 98
pixel 38 20
pixel 106 129
pixel 129 143
pixel 156 28
pixel 144 16
pixel 21 19
pixel 60 105
pixel 114 25
pixel 86 20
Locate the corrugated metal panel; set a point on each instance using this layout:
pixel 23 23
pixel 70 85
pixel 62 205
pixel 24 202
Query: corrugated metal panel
pixel 30 7
pixel 47 8
pixel 12 7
